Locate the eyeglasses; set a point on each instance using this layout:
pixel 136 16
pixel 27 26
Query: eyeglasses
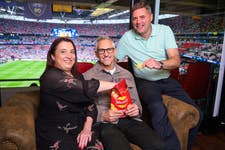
pixel 102 50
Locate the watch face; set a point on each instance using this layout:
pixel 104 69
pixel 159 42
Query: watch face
pixel 161 65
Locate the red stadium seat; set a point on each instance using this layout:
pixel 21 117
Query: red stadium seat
pixel 197 80
pixel 175 73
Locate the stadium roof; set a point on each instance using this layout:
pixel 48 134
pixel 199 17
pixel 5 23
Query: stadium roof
pixel 116 9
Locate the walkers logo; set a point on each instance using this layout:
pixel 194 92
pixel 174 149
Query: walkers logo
pixel 120 96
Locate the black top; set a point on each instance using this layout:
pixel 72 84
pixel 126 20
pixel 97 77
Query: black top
pixel 64 104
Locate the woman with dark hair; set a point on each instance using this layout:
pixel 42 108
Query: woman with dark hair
pixel 67 111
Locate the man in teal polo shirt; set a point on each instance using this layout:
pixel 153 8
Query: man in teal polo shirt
pixel 153 52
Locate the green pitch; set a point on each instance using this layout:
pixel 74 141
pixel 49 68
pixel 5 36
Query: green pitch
pixel 21 69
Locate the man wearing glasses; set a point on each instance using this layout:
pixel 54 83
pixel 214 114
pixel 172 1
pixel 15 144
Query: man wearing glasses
pixel 117 131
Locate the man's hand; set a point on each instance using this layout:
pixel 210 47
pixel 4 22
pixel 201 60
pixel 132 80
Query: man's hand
pixel 132 110
pixel 151 63
pixel 112 115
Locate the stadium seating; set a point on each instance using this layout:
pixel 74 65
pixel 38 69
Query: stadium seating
pixel 18 113
pixel 196 82
pixel 33 41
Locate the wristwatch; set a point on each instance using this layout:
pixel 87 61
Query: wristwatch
pixel 161 64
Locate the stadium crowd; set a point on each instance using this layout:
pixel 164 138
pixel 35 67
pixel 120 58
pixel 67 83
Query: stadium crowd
pixel 14 26
pixel 32 42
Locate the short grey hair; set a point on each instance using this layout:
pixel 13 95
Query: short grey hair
pixel 100 38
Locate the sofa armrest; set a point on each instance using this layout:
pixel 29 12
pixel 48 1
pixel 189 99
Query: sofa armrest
pixel 17 125
pixel 182 116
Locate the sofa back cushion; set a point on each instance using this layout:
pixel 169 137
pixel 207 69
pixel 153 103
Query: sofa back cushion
pixel 84 66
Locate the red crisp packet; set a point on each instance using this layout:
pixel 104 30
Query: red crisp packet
pixel 120 96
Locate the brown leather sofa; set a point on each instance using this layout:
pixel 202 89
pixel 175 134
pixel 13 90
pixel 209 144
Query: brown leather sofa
pixel 18 113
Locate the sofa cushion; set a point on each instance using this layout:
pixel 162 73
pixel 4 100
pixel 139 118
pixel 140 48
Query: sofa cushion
pixel 84 66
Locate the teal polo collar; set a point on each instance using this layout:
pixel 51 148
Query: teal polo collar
pixel 154 30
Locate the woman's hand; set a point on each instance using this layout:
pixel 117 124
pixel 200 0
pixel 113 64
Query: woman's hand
pixel 85 135
pixel 105 85
pixel 83 138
